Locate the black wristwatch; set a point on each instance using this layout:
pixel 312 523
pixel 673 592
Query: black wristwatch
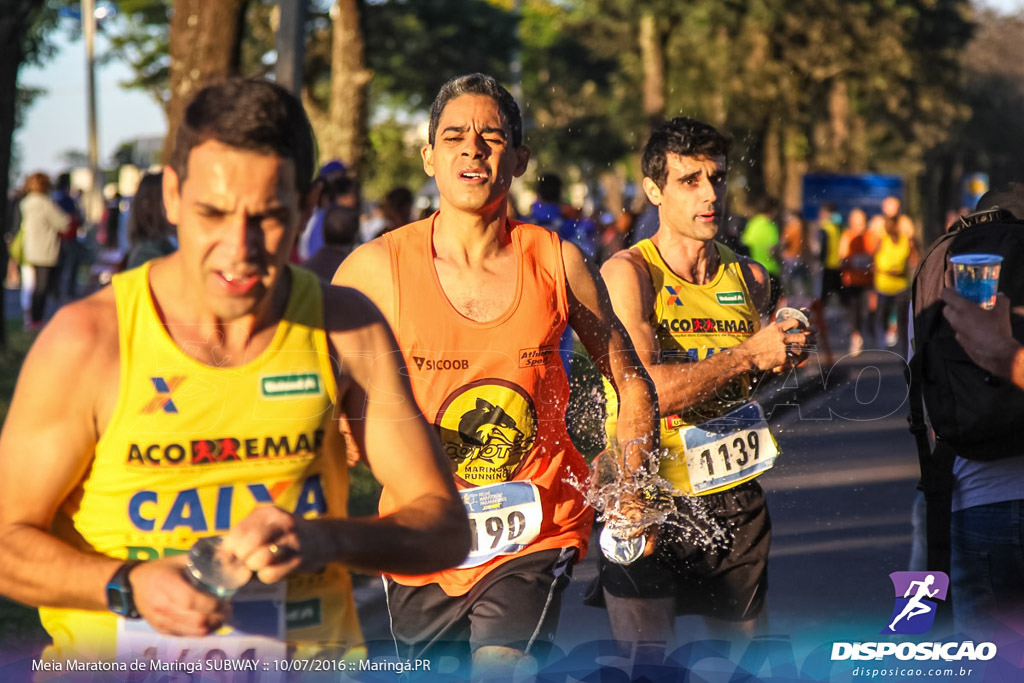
pixel 119 592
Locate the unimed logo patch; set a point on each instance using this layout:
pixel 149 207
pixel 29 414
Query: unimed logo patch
pixel 731 298
pixel 287 386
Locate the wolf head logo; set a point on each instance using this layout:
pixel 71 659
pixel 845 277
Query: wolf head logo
pixel 494 431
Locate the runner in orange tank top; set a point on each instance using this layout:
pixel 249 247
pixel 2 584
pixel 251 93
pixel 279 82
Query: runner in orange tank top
pixel 478 304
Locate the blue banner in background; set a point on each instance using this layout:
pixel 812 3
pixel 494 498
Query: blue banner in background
pixel 863 191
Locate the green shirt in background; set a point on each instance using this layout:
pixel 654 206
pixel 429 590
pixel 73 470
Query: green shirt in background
pixel 760 237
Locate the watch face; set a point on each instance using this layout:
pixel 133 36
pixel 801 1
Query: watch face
pixel 116 601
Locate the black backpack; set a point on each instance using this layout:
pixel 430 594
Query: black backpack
pixel 975 415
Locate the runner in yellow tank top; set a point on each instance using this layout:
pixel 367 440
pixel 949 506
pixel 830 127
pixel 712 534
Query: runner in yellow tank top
pixel 693 310
pixel 200 396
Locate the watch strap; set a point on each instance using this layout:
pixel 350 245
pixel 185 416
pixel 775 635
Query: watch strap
pixel 120 599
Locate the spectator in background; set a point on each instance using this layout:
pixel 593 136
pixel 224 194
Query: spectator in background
pixel 341 234
pixel 150 235
pixel 856 268
pixel 895 259
pixel 70 258
pixel 564 219
pixel 397 209
pixel 336 190
pixel 110 235
pixel 801 276
pixel 42 222
pixel 828 238
pixel 761 238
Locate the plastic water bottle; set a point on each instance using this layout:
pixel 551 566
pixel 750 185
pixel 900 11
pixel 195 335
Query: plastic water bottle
pixel 621 550
pixel 212 569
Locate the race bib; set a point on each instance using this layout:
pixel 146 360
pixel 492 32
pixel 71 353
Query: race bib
pixel 254 635
pixel 729 449
pixel 503 519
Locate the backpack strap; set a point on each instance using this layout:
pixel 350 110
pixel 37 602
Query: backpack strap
pixel 994 215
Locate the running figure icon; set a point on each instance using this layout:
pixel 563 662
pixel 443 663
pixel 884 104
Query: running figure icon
pixel 915 607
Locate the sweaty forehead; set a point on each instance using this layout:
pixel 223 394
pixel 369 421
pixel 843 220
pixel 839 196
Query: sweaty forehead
pixel 678 164
pixel 472 110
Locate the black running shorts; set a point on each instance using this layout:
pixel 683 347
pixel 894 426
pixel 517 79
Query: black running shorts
pixel 515 605
pixel 725 578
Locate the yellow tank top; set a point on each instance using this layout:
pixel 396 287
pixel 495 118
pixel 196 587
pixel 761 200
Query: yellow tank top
pixel 831 256
pixel 692 323
pixel 191 449
pixel 892 256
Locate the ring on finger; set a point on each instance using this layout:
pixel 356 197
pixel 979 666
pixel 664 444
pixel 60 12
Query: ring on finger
pixel 274 549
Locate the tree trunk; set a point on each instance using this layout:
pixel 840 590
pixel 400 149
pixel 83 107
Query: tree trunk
pixel 345 135
pixel 205 44
pixel 771 164
pixel 839 117
pixel 794 169
pixel 15 21
pixel 653 59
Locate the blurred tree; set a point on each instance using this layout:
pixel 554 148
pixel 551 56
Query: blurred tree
pixel 139 36
pixel 991 138
pixel 340 122
pixel 204 44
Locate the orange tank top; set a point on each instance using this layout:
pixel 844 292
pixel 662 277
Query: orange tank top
pixel 497 394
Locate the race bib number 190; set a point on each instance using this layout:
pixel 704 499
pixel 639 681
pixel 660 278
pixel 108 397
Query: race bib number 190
pixel 729 449
pixel 503 519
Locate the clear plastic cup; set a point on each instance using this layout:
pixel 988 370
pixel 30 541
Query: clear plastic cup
pixel 214 570
pixel 621 550
pixel 976 277
pixel 786 313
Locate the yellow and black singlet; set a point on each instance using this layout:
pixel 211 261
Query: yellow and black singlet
pixel 191 449
pixel 692 323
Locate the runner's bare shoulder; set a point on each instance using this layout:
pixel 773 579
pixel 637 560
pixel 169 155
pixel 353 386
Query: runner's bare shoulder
pixel 350 312
pixel 758 282
pixel 368 269
pixel 84 329
pixel 77 353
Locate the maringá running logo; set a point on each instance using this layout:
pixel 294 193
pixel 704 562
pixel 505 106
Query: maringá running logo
pixel 487 428
pixel 915 605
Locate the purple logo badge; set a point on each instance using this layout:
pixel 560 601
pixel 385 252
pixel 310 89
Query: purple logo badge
pixel 917 595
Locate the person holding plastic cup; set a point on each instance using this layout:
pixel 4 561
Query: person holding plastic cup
pixel 985 334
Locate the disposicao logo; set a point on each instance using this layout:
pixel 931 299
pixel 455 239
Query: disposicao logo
pixel 916 594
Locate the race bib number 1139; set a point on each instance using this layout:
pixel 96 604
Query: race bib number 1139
pixel 729 449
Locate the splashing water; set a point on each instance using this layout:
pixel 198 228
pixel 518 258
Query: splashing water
pixel 687 518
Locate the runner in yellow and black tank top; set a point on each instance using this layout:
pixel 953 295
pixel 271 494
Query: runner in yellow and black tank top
pixel 693 322
pixel 178 461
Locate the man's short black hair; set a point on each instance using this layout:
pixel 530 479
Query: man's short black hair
pixel 341 225
pixel 250 114
pixel 549 188
pixel 684 137
pixel 477 84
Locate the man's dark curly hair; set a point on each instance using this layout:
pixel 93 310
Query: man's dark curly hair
pixel 684 137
